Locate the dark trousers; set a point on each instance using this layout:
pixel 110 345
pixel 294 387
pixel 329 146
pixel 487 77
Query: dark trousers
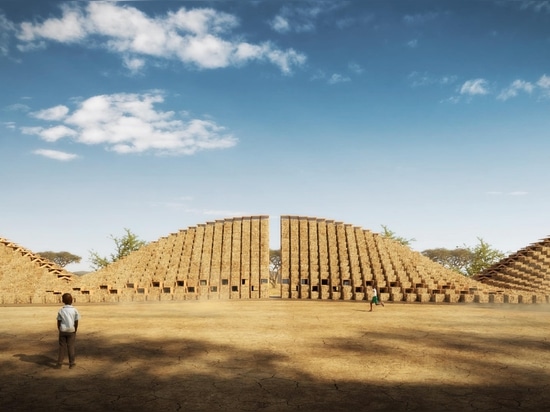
pixel 66 344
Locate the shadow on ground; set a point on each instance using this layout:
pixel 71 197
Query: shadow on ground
pixel 125 373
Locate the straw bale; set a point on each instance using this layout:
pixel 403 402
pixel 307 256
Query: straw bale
pixel 438 297
pixel 411 297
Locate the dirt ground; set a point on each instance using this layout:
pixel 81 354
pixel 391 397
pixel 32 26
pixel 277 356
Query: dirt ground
pixel 279 355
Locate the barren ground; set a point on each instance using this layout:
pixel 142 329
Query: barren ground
pixel 279 355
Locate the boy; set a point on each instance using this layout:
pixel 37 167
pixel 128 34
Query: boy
pixel 67 325
pixel 375 299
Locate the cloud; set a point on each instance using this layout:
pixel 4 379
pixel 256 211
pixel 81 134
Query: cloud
pixel 72 28
pixel 536 5
pixel 280 24
pixel 413 44
pixel 474 87
pixel 544 82
pixel 130 123
pixel 18 107
pixel 544 85
pixel 7 29
pixel 54 113
pixel 514 89
pixel 338 78
pixel 303 18
pixel 56 155
pixel 335 78
pixel 296 19
pixel 426 79
pixel 355 68
pixel 197 37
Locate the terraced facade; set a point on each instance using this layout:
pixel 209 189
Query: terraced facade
pixel 324 259
pixel 526 270
pixel 229 259
pixel 26 277
pixel 225 259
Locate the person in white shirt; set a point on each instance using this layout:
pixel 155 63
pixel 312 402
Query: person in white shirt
pixel 375 299
pixel 67 325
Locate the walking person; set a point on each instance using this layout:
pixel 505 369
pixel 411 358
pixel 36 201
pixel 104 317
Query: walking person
pixel 375 299
pixel 67 325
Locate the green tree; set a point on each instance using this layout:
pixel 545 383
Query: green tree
pixel 483 257
pixel 466 260
pixel 60 258
pixel 457 259
pixel 389 234
pixel 124 245
pixel 274 266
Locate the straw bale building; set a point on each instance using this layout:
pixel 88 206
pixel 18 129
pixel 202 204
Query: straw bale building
pixel 324 259
pixel 26 277
pixel 526 270
pixel 320 259
pixel 225 259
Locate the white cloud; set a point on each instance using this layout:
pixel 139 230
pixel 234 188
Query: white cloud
pixel 413 44
pixel 280 24
pixel 426 79
pixel 31 130
pixel 130 123
pixel 18 107
pixel 71 28
pixel 355 68
pixel 335 78
pixel 452 100
pixel 536 5
pixel 7 29
pixel 52 134
pixel 285 60
pixel 474 87
pixel 338 78
pixel 515 88
pixel 296 19
pixel 134 64
pixel 544 82
pixel 300 19
pixel 544 85
pixel 56 155
pixel 53 113
pixel 198 37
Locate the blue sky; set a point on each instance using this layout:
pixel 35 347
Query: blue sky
pixel 429 117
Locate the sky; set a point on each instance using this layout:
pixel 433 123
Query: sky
pixel 428 117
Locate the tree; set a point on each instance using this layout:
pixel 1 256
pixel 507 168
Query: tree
pixel 274 266
pixel 60 258
pixel 466 260
pixel 483 257
pixel 389 234
pixel 124 245
pixel 456 259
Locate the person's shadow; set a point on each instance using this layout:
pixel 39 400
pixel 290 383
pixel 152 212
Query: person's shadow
pixel 42 360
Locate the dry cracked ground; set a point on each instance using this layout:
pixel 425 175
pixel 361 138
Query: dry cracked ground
pixel 279 355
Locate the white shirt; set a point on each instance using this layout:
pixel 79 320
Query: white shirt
pixel 67 315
